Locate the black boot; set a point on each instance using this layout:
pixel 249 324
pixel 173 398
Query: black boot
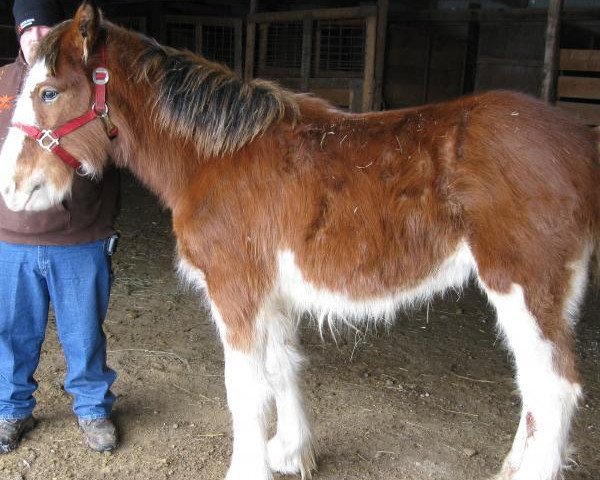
pixel 11 431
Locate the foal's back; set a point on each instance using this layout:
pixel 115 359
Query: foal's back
pixel 375 204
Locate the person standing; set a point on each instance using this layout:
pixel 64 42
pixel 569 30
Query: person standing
pixel 60 256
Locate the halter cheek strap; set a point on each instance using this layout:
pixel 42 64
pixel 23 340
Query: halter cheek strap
pixel 49 140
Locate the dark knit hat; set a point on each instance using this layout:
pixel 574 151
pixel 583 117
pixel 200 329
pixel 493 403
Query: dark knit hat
pixel 29 13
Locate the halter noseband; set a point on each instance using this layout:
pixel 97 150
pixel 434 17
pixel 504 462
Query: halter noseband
pixel 49 140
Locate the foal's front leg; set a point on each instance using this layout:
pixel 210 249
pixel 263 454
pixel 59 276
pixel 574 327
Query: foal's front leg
pixel 249 397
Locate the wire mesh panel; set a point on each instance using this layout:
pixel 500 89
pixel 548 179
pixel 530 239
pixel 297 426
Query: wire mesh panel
pixel 132 23
pixel 329 51
pixel 216 38
pixel 341 48
pixel 218 44
pixel 284 45
pixel 182 35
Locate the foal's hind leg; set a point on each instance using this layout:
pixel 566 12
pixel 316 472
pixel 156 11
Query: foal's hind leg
pixel 538 329
pixel 291 450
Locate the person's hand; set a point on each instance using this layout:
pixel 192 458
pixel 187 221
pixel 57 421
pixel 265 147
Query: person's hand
pixel 30 40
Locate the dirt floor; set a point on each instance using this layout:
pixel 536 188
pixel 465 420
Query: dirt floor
pixel 432 397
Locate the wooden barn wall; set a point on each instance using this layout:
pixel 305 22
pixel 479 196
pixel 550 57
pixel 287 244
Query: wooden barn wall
pixel 424 63
pixel 426 57
pixel 426 54
pixel 511 53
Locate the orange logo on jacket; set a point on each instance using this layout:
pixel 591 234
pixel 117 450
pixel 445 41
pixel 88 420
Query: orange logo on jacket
pixel 6 102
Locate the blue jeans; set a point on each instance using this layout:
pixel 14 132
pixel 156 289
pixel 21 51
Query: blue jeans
pixel 76 279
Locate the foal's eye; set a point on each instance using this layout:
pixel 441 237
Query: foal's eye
pixel 48 95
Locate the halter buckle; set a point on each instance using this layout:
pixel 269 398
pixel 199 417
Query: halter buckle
pixel 48 141
pixel 100 76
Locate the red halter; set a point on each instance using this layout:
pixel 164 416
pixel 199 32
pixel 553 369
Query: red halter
pixel 49 140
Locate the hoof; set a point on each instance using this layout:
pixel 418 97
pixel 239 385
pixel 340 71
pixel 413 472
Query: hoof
pixel 291 461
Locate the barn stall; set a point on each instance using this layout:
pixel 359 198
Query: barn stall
pixel 431 396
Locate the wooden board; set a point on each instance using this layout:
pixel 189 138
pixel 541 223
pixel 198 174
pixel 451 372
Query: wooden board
pixel 587 113
pixel 580 60
pixel 363 11
pixel 579 87
pixel 338 96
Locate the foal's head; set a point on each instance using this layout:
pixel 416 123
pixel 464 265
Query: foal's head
pixel 57 89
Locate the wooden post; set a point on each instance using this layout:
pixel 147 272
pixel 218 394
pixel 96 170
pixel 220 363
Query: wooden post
pixel 238 25
pixel 307 34
pixel 263 37
pixel 199 38
pixel 427 73
pixel 369 73
pixel 469 73
pixel 548 90
pixel 382 21
pixel 157 24
pixel 250 42
pixel 317 54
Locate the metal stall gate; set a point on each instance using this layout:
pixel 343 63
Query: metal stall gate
pixel 329 52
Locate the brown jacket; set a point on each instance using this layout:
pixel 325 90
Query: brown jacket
pixel 87 216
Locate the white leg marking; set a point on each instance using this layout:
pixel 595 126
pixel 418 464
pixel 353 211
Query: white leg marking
pixel 291 450
pixel 548 399
pixel 248 397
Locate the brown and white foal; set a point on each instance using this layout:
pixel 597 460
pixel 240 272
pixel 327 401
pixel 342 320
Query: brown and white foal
pixel 282 204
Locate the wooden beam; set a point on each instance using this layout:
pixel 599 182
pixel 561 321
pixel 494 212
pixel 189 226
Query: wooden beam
pixel 429 50
pixel 263 37
pixel 250 41
pixel 369 72
pixel 307 36
pixel 382 22
pixel 203 19
pixel 587 88
pixel 580 60
pixel 198 33
pixel 514 3
pixel 238 48
pixel 318 14
pixel 157 25
pixel 550 70
pixel 469 70
pixel 587 113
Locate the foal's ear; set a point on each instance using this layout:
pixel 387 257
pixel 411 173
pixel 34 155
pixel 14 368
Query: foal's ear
pixel 87 22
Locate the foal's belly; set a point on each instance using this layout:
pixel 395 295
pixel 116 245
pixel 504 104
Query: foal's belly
pixel 314 294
